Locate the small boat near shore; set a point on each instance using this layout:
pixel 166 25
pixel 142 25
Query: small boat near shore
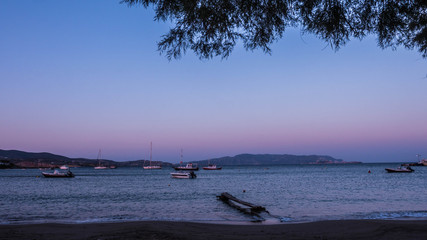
pixel 402 169
pixel 57 174
pixel 190 174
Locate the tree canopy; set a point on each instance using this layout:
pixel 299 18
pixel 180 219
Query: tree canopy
pixel 213 27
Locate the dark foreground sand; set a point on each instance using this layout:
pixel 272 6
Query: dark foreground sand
pixel 348 229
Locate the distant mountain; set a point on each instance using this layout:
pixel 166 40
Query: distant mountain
pixel 272 159
pixel 20 159
pixel 15 158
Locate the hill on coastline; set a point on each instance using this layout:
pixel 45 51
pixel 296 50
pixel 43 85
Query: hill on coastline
pixel 272 159
pixel 21 159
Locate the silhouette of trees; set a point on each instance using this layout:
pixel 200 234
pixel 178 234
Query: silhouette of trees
pixel 213 27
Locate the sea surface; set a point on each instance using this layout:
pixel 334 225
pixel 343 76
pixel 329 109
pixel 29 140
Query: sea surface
pixel 291 193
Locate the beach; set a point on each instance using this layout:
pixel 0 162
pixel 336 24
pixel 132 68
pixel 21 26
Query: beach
pixel 341 229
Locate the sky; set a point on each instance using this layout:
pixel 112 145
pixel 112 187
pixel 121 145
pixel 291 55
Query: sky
pixel 79 76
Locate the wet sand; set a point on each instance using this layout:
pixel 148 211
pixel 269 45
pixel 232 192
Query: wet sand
pixel 343 229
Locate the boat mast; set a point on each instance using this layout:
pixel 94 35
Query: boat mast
pixel 151 151
pixel 99 157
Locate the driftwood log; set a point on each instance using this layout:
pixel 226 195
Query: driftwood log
pixel 245 207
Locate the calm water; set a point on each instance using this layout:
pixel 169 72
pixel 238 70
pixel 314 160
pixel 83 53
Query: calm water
pixel 294 193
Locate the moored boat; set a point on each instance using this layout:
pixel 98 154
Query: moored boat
pixel 212 167
pixel 190 174
pixel 99 162
pixel 64 167
pixel 402 169
pixel 189 166
pixel 100 167
pixel 57 174
pixel 151 167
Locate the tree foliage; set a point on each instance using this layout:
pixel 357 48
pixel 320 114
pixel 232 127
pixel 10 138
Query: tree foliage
pixel 213 27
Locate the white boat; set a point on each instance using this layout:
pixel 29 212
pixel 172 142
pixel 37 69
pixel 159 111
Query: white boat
pixel 152 166
pixel 422 162
pixel 100 167
pixel 63 167
pixel 99 162
pixel 190 174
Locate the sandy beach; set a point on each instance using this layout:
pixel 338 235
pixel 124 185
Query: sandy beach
pixel 344 229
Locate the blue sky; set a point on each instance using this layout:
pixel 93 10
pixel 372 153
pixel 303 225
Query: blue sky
pixel 78 76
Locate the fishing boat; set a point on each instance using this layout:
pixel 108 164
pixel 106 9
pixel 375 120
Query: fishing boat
pixel 190 174
pixel 99 162
pixel 57 174
pixel 212 167
pixel 402 169
pixel 152 166
pixel 188 167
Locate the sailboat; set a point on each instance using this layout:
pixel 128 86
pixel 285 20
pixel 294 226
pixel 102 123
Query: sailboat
pixel 99 161
pixel 152 166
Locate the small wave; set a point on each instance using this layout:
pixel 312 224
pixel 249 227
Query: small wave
pixel 285 219
pixel 397 215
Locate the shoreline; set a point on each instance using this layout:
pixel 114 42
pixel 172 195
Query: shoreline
pixel 331 229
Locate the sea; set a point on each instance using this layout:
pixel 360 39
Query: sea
pixel 290 194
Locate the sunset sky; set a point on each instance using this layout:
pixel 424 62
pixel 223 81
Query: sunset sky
pixel 78 76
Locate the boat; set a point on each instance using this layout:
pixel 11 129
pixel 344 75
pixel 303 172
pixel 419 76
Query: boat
pixel 152 166
pixel 181 174
pixel 188 167
pixel 212 167
pixel 63 167
pixel 57 174
pixel 402 169
pixel 423 162
pixel 100 167
pixel 99 162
